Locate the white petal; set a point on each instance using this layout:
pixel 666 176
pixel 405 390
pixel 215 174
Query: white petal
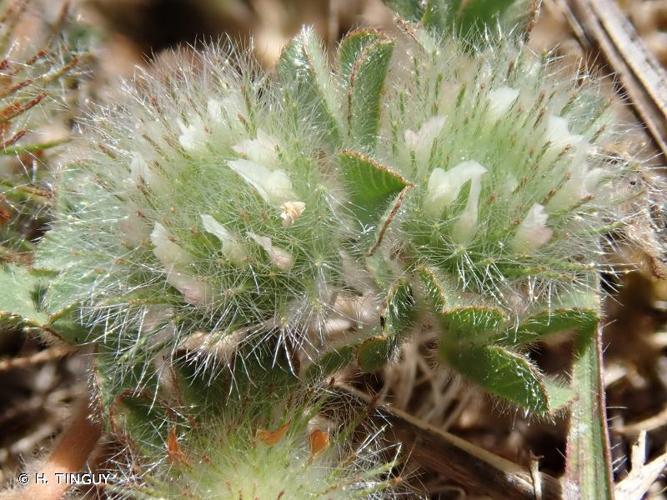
pixel 139 171
pixel 193 136
pixel 466 225
pixel 274 186
pixel 194 291
pixel 168 252
pixel 444 186
pixel 290 211
pixel 559 135
pixel 232 248
pixel 232 106
pixel 421 142
pixel 501 100
pixel 582 183
pixel 280 258
pixel 592 179
pixel 533 232
pixel 134 229
pixel 214 108
pixel 260 150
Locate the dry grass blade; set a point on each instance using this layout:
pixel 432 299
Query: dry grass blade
pixel 456 459
pixel 642 475
pixel 601 23
pixel 650 424
pixel 34 359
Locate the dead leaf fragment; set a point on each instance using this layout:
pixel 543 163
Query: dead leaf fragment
pixel 319 441
pixel 174 452
pixel 272 437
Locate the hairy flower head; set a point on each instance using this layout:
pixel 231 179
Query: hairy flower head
pixel 197 194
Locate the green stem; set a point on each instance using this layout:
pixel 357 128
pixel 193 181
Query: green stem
pixel 588 473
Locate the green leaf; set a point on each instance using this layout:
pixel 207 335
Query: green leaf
pixel 364 62
pixel 476 15
pixel 559 395
pixel 434 287
pixel 376 191
pixel 410 10
pixel 353 45
pixel 67 326
pixel 464 319
pixel 440 14
pixel 135 418
pixel 474 324
pixel 304 71
pixel 373 353
pixel 382 270
pixel 503 373
pixel 588 465
pixel 471 19
pixel 397 315
pixel 17 297
pixel 548 323
pixel 575 311
pixel 329 363
pixel 399 309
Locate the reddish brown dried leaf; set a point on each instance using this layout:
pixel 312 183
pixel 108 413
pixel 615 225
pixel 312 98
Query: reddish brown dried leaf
pixel 274 436
pixel 319 442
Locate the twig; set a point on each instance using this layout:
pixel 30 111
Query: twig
pixel 650 424
pixel 460 461
pixel 642 475
pixel 602 24
pixel 37 358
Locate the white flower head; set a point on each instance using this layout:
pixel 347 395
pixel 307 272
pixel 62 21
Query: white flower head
pixel 501 100
pixel 280 258
pixel 261 150
pixel 421 142
pixel 274 186
pixel 559 135
pixel 444 186
pixel 232 248
pixel 290 211
pixel 533 232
